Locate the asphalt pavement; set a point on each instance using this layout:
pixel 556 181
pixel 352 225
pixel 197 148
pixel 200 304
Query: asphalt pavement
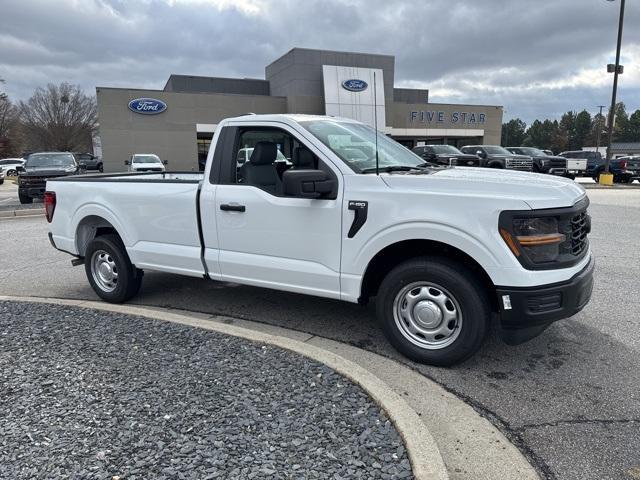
pixel 569 399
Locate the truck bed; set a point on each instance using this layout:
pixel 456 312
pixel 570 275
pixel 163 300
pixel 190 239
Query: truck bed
pixel 154 213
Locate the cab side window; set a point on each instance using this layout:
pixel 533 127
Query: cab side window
pixel 264 154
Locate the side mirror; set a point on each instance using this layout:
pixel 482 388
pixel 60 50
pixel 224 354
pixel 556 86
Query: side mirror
pixel 481 154
pixel 309 184
pixel 127 162
pixel 20 169
pixel 165 162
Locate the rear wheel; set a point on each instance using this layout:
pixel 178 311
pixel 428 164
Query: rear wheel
pixel 11 173
pixel 100 169
pixel 109 271
pixel 433 310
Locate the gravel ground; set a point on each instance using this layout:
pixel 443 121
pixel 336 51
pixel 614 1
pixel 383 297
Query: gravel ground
pixel 93 395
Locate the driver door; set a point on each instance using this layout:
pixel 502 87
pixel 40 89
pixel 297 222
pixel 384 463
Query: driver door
pixel 269 239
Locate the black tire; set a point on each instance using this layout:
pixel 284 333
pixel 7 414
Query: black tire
pixel 24 199
pixel 463 287
pixel 100 168
pixel 11 173
pixel 129 278
pixel 1 181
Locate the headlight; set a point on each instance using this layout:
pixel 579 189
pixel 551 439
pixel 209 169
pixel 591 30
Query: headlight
pixel 538 238
pixel 544 162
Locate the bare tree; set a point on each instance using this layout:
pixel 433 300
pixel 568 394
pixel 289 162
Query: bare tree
pixel 9 127
pixel 58 117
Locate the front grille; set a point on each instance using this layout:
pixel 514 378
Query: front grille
pixel 580 227
pixel 522 164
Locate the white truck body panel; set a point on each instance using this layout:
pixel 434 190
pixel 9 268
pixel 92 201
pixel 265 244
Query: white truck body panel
pixel 301 245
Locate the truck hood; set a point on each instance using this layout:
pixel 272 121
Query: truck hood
pixel 46 171
pixel 537 190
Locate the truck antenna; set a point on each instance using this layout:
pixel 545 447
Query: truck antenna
pixel 375 119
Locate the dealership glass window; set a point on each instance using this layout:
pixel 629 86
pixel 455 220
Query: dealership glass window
pixel 204 142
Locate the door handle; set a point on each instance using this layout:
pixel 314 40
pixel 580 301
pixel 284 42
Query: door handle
pixel 230 207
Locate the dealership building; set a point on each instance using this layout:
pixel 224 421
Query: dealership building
pixel 178 122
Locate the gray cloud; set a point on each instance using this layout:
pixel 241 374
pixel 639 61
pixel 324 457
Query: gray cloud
pixel 537 59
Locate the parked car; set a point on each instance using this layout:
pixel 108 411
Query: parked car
pixel 495 156
pixel 41 167
pixel 542 162
pixel 596 165
pixel 633 166
pixel 447 155
pixel 9 166
pixel 441 250
pixel 145 162
pixel 89 161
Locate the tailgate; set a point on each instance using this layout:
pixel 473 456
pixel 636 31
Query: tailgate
pixel 576 163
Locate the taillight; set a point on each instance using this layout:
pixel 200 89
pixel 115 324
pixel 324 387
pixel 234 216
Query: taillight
pixel 623 164
pixel 49 204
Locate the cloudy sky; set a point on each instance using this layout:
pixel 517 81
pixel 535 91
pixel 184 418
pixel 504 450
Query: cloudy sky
pixel 538 58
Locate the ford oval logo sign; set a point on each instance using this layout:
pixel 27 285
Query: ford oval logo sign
pixel 147 106
pixel 354 85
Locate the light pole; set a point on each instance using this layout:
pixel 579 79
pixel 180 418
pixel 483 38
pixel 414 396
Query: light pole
pixel 599 127
pixel 617 69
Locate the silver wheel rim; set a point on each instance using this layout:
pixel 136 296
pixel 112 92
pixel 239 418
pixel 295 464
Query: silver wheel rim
pixel 104 271
pixel 427 315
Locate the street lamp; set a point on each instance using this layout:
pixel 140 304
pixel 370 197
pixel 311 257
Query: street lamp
pixel 617 69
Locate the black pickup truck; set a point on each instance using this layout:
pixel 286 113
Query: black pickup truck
pixel 495 156
pixel 624 169
pixel 40 167
pixel 447 155
pixel 542 162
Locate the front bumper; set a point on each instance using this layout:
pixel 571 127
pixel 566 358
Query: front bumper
pixel 533 309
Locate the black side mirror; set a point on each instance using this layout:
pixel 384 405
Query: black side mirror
pixel 165 162
pixel 309 184
pixel 127 162
pixel 20 169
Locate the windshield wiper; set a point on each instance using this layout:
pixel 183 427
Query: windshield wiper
pixel 391 168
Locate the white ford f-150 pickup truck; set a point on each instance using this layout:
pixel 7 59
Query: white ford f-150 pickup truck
pixel 442 249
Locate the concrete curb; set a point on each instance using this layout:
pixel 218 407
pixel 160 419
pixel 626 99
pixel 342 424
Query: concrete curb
pixel 423 452
pixel 27 212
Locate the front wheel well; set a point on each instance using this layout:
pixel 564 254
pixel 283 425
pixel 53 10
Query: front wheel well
pixel 399 252
pixel 89 228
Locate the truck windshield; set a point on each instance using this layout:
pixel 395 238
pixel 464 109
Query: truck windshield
pixel 534 152
pixel 445 149
pixel 355 144
pixel 146 159
pixel 495 150
pixel 50 160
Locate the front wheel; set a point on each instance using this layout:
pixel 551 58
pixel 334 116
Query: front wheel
pixel 433 310
pixel 109 271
